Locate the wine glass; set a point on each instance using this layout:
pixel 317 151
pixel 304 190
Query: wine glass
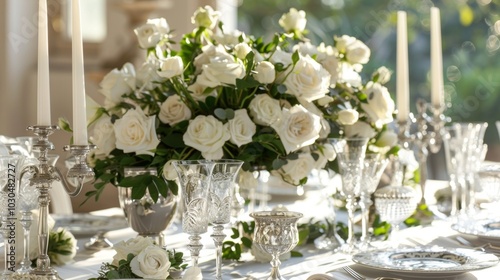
pixel 220 198
pixel 350 156
pixel 275 233
pixel 194 178
pixel 373 168
pixel 454 162
pixel 394 205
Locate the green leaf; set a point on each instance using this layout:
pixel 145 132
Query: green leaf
pixel 282 89
pixel 295 254
pixel 278 163
pixel 174 140
pixel 247 242
pixel 220 114
pixel 229 114
pixel 161 186
pixel 139 191
pixel 295 57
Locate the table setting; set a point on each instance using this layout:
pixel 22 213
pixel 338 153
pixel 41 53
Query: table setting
pixel 236 157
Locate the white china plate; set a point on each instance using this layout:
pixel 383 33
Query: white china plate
pixel 486 229
pixel 88 224
pixel 426 262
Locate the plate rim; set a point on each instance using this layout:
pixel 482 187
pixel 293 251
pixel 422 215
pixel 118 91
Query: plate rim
pixel 452 271
pixel 458 228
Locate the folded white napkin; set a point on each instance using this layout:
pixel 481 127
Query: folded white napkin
pixel 320 277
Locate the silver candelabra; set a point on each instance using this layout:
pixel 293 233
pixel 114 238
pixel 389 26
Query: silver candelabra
pixel 426 137
pixel 43 176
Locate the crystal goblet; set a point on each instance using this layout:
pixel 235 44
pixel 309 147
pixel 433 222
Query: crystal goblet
pixel 220 199
pixel 395 204
pixel 275 233
pixel 453 142
pixel 194 178
pixel 350 156
pixel 373 168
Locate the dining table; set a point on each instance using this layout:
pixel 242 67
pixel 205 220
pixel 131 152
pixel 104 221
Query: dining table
pixel 313 203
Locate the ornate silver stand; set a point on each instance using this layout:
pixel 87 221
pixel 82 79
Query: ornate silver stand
pixel 44 175
pixel 427 137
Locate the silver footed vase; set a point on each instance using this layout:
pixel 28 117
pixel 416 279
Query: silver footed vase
pixel 145 216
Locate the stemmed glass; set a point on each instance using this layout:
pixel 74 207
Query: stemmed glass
pixel 275 233
pixel 395 204
pixel 194 178
pixel 374 166
pixel 220 199
pixel 350 156
pixel 453 143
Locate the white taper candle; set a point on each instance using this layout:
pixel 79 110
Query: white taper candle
pixel 402 82
pixel 437 86
pixel 43 82
pixel 79 105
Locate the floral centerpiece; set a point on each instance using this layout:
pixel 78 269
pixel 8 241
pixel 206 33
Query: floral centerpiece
pixel 225 94
pixel 141 258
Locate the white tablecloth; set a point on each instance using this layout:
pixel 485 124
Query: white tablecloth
pixel 314 261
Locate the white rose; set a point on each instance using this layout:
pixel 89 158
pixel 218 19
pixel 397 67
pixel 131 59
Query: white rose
pixel 308 79
pixel 135 132
pixel 209 52
pixel 293 21
pixel 169 172
pixel 241 50
pixel 205 17
pixel 174 111
pixel 198 92
pixel 147 76
pixel 347 74
pixel 306 48
pixel 151 263
pixel 131 246
pixel 265 72
pixel 382 74
pixel 380 105
pixel 207 135
pixel 357 52
pixel 332 64
pixel 171 67
pixel 298 128
pixel 69 246
pixel 193 273
pixel 326 154
pixel 407 158
pixel 298 169
pixel 230 38
pixel 241 128
pixel 342 42
pixel 117 83
pixel 280 56
pixel 325 100
pixel 348 116
pixel 104 136
pixel 359 129
pixel 388 138
pixel 220 72
pixel 152 32
pixel 247 180
pixel 265 110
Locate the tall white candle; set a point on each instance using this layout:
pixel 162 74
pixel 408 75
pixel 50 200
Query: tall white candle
pixel 43 83
pixel 402 82
pixel 437 86
pixel 79 105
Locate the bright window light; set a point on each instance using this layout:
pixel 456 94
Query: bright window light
pixel 93 17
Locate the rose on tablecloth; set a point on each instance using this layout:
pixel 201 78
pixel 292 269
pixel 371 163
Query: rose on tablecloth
pixel 141 258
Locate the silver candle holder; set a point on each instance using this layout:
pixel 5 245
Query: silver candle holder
pixel 427 137
pixel 43 176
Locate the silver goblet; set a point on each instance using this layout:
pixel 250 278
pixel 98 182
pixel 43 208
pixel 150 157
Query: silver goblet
pixel 275 233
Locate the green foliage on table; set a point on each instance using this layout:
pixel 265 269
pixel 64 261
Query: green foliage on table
pixel 123 270
pixel 59 244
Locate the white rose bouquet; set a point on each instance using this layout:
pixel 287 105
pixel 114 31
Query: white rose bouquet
pixel 141 258
pixel 231 95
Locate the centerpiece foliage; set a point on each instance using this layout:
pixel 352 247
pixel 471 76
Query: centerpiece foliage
pixel 219 93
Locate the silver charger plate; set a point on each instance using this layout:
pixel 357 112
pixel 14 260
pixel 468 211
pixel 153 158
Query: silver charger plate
pixel 486 229
pixel 88 224
pixel 424 262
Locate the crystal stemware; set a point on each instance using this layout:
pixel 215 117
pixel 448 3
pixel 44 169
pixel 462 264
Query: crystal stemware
pixel 394 205
pixel 350 156
pixel 220 199
pixel 453 142
pixel 275 233
pixel 194 178
pixel 373 168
